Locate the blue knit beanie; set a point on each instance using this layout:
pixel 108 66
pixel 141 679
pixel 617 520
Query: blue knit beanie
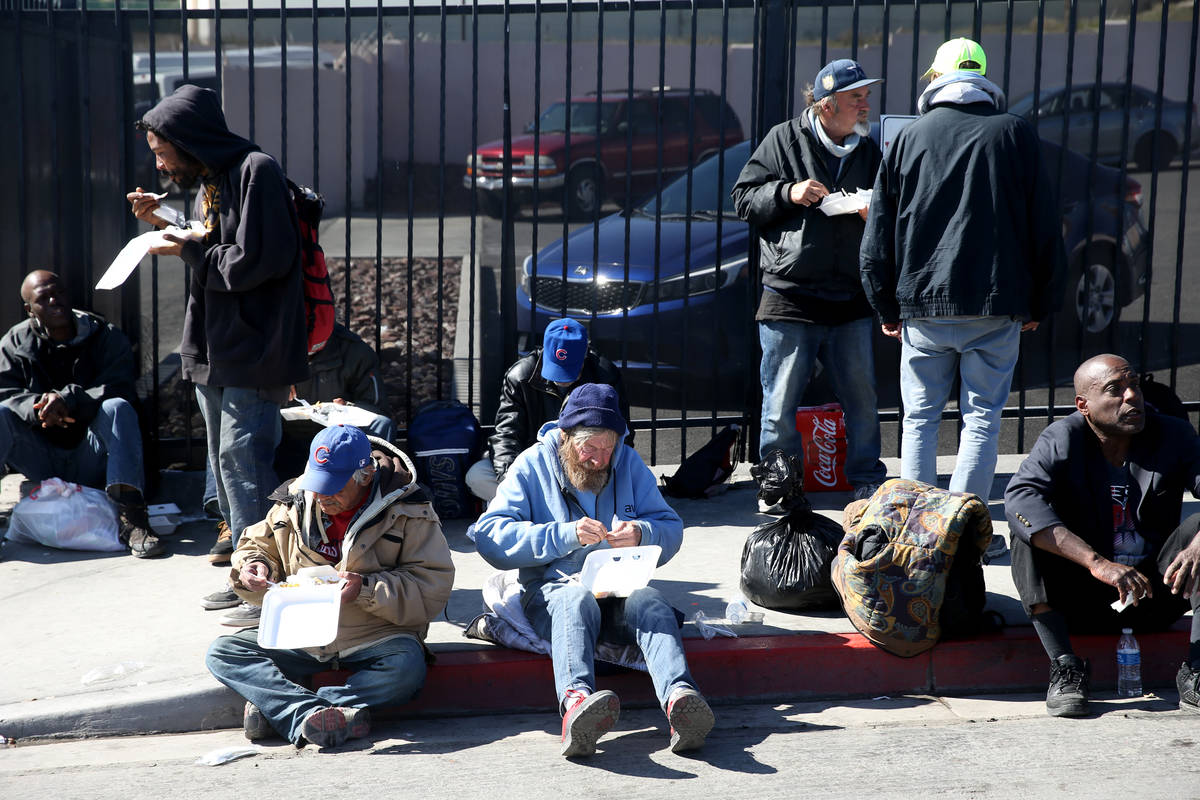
pixel 593 405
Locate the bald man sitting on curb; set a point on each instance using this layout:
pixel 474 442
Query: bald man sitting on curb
pixel 67 405
pixel 1094 514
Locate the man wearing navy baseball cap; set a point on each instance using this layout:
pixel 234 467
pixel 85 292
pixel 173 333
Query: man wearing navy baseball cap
pixel 813 306
pixel 532 394
pixel 578 490
pixel 357 508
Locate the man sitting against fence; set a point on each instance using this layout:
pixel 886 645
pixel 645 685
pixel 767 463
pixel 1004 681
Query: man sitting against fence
pixel 578 490
pixel 67 405
pixel 360 510
pixel 1094 512
pixel 532 393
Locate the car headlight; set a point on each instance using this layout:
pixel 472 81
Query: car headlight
pixel 697 282
pixel 471 164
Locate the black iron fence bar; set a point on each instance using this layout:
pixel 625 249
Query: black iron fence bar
pixel 885 37
pixel 381 172
pixel 412 196
pixel 441 206
pixel 316 103
pixel 687 233
pixel 657 261
pixel 473 266
pixel 1155 166
pixel 283 98
pixel 349 134
pixel 1183 198
pixel 250 65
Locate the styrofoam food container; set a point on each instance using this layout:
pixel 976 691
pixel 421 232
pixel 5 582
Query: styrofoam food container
pixel 301 616
pixel 619 571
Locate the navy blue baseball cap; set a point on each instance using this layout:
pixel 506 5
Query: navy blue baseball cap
pixel 840 76
pixel 335 454
pixel 593 405
pixel 564 347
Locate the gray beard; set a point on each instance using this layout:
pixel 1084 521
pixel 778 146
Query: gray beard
pixel 579 476
pixel 863 129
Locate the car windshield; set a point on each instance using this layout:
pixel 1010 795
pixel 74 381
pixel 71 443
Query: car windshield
pixel 708 196
pixel 583 118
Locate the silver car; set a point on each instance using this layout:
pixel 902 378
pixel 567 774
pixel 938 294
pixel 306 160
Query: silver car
pixel 1107 106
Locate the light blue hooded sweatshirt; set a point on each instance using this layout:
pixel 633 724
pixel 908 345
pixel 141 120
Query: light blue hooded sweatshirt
pixel 530 525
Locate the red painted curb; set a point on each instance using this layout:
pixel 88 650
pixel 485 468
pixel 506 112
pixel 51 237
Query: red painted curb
pixel 802 666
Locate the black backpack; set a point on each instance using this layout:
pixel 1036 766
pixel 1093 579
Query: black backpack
pixel 704 473
pixel 1162 397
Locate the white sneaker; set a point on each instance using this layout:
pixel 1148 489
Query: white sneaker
pixel 776 510
pixel 244 616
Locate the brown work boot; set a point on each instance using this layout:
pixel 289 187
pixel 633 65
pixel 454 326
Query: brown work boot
pixel 222 550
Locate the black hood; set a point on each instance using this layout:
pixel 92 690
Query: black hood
pixel 191 118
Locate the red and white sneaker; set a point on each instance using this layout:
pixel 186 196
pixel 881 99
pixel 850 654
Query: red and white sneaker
pixel 691 719
pixel 587 717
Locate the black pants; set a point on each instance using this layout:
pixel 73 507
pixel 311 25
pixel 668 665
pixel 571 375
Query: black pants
pixel 1043 577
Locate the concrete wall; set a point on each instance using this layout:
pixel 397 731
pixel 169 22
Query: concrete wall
pixel 451 138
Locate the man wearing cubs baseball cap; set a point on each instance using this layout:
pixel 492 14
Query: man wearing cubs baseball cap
pixel 532 394
pixel 358 509
pixel 813 306
pixel 336 453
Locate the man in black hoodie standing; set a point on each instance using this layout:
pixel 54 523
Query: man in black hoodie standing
pixel 963 251
pixel 244 334
pixel 812 305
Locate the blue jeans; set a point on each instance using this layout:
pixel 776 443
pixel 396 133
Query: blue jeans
pixel 790 351
pixel 110 453
pixel 387 673
pixel 567 616
pixel 243 431
pixel 381 427
pixel 983 352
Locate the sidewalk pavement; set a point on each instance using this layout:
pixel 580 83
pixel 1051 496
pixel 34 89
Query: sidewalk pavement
pixel 75 612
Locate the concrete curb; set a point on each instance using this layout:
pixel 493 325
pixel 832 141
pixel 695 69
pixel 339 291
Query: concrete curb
pixel 492 680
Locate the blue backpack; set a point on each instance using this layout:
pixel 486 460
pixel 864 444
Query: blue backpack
pixel 444 441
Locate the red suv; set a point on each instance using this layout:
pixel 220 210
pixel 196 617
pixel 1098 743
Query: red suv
pixel 600 155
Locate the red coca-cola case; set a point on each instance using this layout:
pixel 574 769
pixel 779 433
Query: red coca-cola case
pixel 823 430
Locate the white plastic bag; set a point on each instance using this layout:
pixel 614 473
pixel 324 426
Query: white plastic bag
pixel 67 516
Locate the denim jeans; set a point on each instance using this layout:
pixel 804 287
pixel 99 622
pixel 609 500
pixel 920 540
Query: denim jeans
pixel 567 616
pixel 110 452
pixel 381 427
pixel 983 352
pixel 790 351
pixel 243 431
pixel 386 673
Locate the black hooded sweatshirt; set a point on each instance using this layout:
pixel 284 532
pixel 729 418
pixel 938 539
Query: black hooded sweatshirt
pixel 245 322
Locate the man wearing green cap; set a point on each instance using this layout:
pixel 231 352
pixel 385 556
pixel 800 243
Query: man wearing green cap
pixel 962 252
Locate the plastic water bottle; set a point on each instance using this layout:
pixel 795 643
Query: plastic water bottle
pixel 738 611
pixel 1129 665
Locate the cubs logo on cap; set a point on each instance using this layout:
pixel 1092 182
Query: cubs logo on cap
pixel 564 348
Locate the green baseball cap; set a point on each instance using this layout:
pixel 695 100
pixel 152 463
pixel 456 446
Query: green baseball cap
pixel 958 55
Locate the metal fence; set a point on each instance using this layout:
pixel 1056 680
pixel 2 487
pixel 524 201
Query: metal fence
pixel 491 166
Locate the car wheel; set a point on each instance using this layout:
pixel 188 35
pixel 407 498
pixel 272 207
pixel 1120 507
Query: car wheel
pixel 584 194
pixel 1092 292
pixel 489 204
pixel 1143 154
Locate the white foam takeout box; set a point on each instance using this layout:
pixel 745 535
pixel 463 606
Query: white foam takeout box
pixel 302 613
pixel 619 571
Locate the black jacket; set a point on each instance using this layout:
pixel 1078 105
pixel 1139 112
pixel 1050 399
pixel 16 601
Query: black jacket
pixel 245 320
pixel 528 401
pixel 94 366
pixel 1065 481
pixel 802 249
pixel 346 367
pixel 963 220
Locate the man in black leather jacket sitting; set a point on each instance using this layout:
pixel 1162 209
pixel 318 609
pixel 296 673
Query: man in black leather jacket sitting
pixel 532 393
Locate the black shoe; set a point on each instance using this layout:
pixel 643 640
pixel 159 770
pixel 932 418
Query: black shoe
pixel 255 725
pixel 1187 681
pixel 135 531
pixel 1068 693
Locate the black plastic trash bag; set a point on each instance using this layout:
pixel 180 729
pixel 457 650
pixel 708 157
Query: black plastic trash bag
pixel 780 480
pixel 786 562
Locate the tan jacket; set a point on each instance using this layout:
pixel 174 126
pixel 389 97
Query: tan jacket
pixel 395 543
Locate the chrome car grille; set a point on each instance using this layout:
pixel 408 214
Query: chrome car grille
pixel 584 297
